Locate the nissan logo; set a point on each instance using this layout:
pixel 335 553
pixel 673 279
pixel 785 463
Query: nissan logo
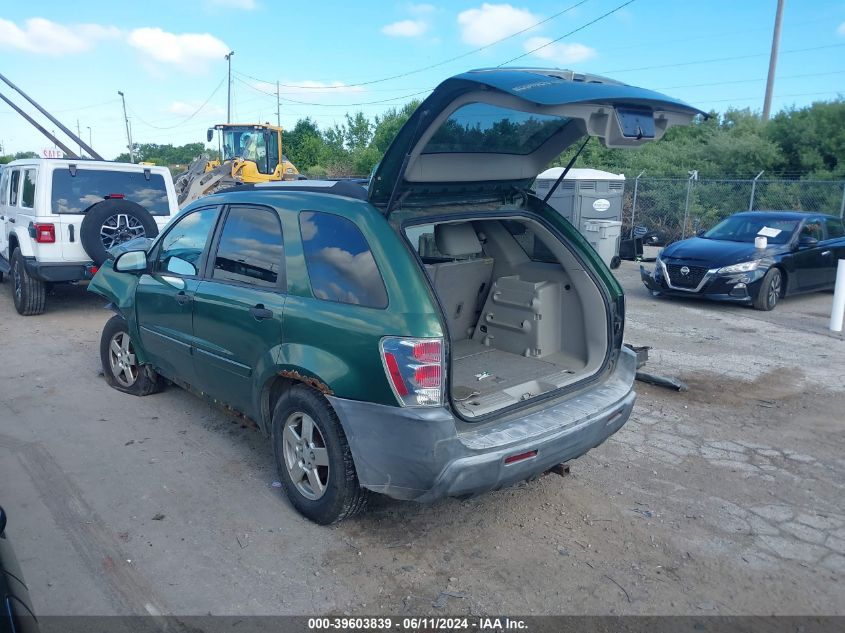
pixel 685 270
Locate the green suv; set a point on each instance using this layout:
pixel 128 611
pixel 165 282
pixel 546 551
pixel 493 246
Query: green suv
pixel 440 332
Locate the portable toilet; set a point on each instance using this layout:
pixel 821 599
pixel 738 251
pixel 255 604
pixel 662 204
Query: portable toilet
pixel 591 199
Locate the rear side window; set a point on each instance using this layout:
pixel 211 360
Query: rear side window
pixel 14 187
pixel 533 246
pixel 834 228
pixel 28 195
pixel 341 266
pixel 251 249
pixel 74 194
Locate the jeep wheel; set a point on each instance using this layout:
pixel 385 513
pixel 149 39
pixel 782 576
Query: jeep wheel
pixel 313 458
pixel 120 362
pixel 113 222
pixel 28 293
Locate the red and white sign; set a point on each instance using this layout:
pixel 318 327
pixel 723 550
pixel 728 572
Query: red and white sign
pixel 52 152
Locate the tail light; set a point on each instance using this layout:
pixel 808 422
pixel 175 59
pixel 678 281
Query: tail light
pixel 414 368
pixel 45 233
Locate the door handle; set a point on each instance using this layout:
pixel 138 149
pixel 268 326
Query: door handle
pixel 825 253
pixel 260 312
pixel 182 298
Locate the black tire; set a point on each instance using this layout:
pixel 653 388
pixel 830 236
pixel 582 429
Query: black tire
pixel 28 293
pixel 771 290
pixel 615 261
pixel 342 495
pixel 143 380
pixel 128 220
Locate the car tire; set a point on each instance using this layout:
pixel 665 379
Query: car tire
pixel 112 222
pixel 615 261
pixel 120 366
pixel 28 293
pixel 770 291
pixel 313 458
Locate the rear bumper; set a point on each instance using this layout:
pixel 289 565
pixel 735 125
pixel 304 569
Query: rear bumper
pixel 419 454
pixel 58 272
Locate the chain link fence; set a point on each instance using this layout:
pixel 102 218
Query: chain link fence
pixel 678 207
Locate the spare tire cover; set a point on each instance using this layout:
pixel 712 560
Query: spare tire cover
pixel 112 222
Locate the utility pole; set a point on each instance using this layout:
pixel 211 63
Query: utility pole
pixel 773 61
pixel 128 133
pixel 278 107
pixel 79 133
pixel 228 58
pixel 89 134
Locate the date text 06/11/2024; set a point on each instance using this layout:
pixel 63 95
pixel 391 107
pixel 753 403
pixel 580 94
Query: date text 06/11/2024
pixel 415 624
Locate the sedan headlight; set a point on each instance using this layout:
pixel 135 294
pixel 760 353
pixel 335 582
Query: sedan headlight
pixel 744 267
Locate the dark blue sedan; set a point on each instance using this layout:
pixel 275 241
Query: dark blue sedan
pixel 754 257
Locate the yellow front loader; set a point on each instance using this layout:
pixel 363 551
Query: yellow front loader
pixel 250 153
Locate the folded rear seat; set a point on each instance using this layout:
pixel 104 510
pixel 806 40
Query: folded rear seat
pixel 463 283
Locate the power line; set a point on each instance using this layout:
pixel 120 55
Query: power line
pixel 572 32
pixel 719 59
pixel 186 119
pixel 438 64
pixel 393 100
pixel 795 94
pixel 742 81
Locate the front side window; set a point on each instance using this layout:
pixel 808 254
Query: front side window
pixel 813 228
pixel 834 228
pixel 75 193
pixel 341 266
pixel 251 248
pixel 28 195
pixel 181 249
pixel 14 187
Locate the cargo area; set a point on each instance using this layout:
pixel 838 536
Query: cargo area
pixel 515 301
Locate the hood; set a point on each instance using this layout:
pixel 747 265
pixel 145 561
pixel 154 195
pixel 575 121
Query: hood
pixel 489 131
pixel 716 253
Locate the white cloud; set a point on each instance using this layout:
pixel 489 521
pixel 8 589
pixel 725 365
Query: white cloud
pixel 559 52
pixel 421 9
pixel 841 29
pixel 43 37
pixel 188 51
pixel 405 28
pixel 492 22
pixel 182 108
pixel 240 5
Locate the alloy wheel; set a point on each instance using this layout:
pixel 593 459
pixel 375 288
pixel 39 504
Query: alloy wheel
pixel 17 281
pixel 124 365
pixel 306 456
pixel 119 228
pixel 774 289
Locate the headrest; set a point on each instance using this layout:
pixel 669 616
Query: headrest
pixel 456 240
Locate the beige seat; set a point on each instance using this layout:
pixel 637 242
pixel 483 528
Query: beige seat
pixel 463 283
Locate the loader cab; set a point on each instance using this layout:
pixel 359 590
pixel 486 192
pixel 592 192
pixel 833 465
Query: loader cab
pixel 260 144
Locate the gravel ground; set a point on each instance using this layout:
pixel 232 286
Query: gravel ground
pixel 727 499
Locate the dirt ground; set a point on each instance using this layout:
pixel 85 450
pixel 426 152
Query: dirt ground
pixel 728 499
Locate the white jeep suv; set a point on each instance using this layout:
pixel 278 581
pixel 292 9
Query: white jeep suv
pixel 60 217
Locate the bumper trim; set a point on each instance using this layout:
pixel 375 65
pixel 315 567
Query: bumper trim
pixel 57 272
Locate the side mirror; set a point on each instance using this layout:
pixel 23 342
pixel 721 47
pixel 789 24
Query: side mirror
pixel 807 241
pixel 700 232
pixel 209 135
pixel 131 262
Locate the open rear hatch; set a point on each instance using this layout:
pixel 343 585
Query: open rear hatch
pixel 527 313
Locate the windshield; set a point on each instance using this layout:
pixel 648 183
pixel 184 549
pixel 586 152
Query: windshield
pixel 74 194
pixel 744 228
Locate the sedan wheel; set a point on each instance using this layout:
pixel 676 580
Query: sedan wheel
pixel 306 456
pixel 770 290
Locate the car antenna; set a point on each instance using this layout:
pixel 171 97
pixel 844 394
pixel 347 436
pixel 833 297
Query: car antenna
pixel 566 170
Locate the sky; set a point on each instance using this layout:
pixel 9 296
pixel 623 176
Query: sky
pixel 331 58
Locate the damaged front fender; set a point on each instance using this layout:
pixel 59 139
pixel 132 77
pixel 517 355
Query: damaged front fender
pixel 118 288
